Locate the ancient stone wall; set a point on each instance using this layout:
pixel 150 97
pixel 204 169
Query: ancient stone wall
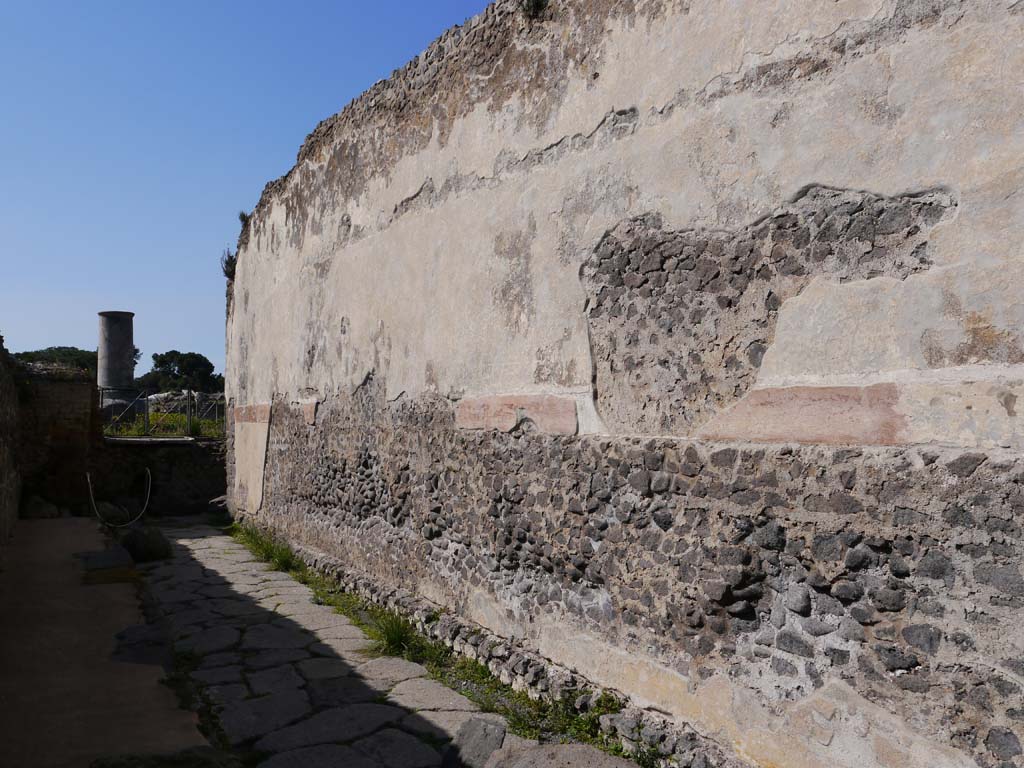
pixel 679 343
pixel 185 476
pixel 715 582
pixel 10 478
pixel 59 430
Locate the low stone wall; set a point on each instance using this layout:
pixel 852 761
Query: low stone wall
pixel 10 478
pixel 186 475
pixel 806 605
pixel 51 436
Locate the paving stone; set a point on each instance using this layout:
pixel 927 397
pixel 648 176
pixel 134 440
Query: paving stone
pixel 326 756
pixel 354 651
pixel 274 680
pixel 267 636
pixel 392 747
pixel 296 593
pixel 166 597
pixel 388 671
pixel 283 602
pixel 323 668
pixel 234 607
pixel 219 591
pixel 332 725
pixel 180 629
pixel 340 632
pixel 254 570
pixel 218 675
pixel 271 578
pixel 474 744
pixel 241 579
pixel 420 693
pixel 225 659
pixel 275 657
pixel 315 621
pixel 220 695
pixel 341 691
pixel 262 638
pixel 244 622
pixel 513 742
pixel 209 641
pixel 252 718
pixel 180 609
pixel 443 725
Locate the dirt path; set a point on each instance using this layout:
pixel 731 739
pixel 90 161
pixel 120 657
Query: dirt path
pixel 64 699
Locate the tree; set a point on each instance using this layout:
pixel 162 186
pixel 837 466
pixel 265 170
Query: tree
pixel 176 370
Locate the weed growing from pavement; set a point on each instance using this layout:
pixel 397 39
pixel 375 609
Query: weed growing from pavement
pixel 179 680
pixel 394 635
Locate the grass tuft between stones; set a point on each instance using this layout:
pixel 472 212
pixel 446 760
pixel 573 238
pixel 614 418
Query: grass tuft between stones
pixel 394 635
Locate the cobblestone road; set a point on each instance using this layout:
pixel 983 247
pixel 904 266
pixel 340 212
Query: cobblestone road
pixel 293 680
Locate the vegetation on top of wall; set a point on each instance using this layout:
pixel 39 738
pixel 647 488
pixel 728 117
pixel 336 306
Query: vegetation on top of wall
pixel 65 357
pixel 172 370
pixel 394 635
pixel 229 259
pixel 228 262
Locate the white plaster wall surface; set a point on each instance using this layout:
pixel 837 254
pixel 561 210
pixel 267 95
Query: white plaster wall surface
pixel 477 291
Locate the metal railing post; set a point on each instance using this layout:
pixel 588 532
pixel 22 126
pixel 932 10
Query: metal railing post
pixel 188 413
pixel 145 417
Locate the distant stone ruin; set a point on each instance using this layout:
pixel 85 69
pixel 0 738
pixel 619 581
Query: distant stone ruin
pixel 676 348
pixel 51 436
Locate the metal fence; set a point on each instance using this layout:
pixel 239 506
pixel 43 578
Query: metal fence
pixel 143 413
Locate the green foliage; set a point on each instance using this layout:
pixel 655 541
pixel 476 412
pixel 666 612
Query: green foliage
pixel 268 548
pixel 228 263
pixel 166 425
pixel 585 726
pixel 176 370
pixel 67 357
pixel 393 635
pixel 646 757
pixel 71 357
pixel 529 718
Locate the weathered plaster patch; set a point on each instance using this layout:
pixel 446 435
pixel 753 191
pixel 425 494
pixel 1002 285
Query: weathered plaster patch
pixel 983 341
pixel 549 413
pixel 514 294
pixel 828 415
pixel 680 321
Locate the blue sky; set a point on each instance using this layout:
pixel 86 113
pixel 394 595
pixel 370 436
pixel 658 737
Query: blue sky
pixel 132 133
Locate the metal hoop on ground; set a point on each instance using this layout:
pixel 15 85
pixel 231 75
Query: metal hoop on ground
pixel 92 501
